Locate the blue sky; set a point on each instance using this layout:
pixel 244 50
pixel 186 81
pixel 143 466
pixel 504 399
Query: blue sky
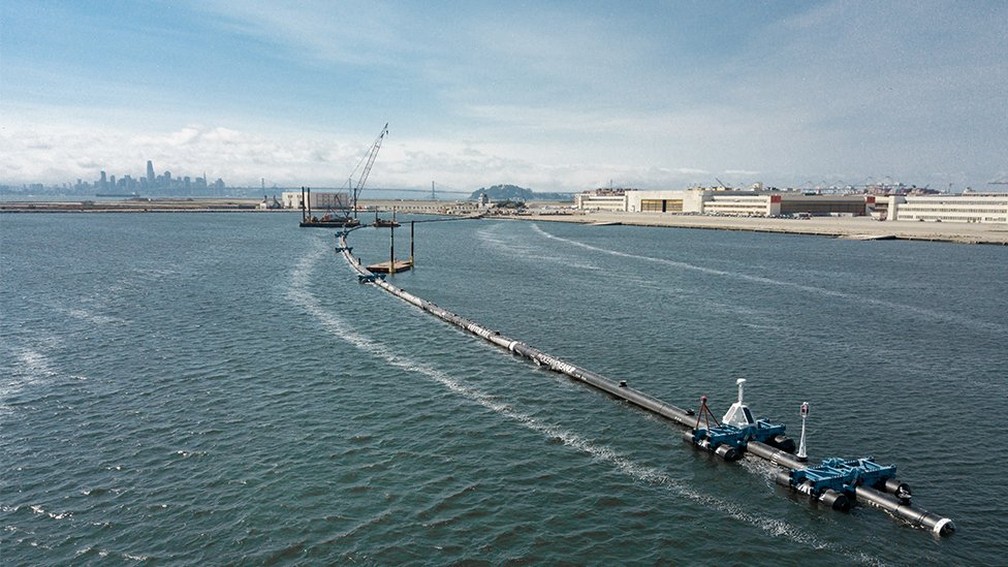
pixel 555 96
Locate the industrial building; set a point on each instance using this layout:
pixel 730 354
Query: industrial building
pixel 965 207
pixel 601 200
pixel 319 200
pixel 753 203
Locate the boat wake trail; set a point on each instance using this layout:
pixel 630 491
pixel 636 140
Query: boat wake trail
pixel 530 252
pixel 299 294
pixel 860 299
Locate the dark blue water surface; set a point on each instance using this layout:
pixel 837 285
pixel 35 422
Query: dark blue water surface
pixel 218 389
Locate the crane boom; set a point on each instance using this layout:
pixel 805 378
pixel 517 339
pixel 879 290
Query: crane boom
pixel 372 154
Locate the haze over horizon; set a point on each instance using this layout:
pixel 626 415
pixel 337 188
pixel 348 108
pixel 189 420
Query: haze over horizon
pixel 559 96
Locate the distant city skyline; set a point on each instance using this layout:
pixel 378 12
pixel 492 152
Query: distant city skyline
pixel 555 96
pixel 166 184
pixel 151 182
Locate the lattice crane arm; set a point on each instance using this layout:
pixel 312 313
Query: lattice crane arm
pixel 372 154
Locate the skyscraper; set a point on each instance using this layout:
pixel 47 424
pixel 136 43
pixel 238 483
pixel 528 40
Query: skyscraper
pixel 150 173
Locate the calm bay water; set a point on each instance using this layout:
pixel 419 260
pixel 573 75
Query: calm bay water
pixel 218 389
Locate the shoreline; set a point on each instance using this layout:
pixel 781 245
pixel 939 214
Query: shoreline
pixel 211 205
pixel 850 228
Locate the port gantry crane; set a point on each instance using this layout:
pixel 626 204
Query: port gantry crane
pixel 371 155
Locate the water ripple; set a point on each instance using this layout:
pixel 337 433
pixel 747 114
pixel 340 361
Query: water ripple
pixel 339 328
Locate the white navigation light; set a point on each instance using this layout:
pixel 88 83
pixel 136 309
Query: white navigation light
pixel 738 414
pixel 802 455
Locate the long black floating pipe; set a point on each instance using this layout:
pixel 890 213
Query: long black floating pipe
pixel 620 390
pixel 888 502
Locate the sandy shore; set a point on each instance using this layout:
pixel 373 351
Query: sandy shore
pixel 859 228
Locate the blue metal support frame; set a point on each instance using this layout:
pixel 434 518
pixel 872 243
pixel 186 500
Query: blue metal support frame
pixel 737 437
pixel 843 475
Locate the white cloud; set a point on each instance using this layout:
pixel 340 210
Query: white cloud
pixel 540 97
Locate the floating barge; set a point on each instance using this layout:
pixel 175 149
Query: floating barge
pixel 391 267
pixel 835 482
pixel 328 220
pixel 385 223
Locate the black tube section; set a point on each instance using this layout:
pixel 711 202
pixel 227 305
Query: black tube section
pixel 614 388
pixel 915 517
pixel 776 456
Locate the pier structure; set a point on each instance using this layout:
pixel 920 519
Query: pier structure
pixel 834 482
pixel 393 266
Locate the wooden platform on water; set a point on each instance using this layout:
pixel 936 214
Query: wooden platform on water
pixel 390 267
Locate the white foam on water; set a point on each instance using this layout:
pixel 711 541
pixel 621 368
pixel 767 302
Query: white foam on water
pixel 32 367
pixel 92 317
pixel 35 363
pixel 300 295
pixel 83 313
pixel 525 252
pixel 40 511
pixel 860 299
pixel 105 553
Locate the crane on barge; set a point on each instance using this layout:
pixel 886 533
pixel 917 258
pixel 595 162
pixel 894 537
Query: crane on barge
pixel 370 159
pixel 331 220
